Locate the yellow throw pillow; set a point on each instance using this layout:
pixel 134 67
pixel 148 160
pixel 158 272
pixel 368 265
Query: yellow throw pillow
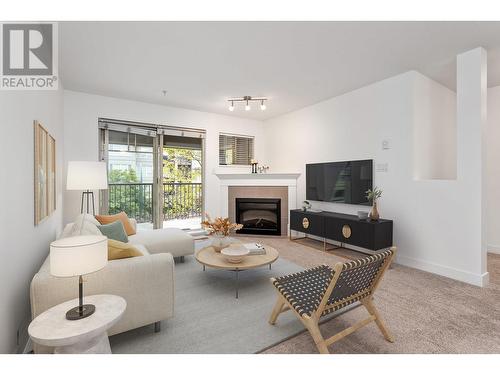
pixel 121 250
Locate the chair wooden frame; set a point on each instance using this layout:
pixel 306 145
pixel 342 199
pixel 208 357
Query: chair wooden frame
pixel 312 322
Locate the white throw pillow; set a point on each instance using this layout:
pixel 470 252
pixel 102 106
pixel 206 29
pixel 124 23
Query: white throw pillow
pixel 88 217
pixel 67 230
pixel 85 225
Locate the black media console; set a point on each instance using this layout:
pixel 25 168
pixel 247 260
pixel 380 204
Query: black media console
pixel 343 228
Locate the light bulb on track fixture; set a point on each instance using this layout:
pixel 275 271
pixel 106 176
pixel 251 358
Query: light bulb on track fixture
pixel 247 99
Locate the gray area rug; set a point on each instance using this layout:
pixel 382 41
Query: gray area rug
pixel 209 319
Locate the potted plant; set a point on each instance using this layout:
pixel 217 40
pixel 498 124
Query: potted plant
pixel 220 228
pixel 372 196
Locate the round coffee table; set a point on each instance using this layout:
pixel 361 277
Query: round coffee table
pixel 87 335
pixel 208 257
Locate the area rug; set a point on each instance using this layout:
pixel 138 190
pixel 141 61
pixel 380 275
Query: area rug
pixel 209 319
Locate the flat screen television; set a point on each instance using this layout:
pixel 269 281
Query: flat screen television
pixel 339 182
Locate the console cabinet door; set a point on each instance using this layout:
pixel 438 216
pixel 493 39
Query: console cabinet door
pixel 352 232
pixel 307 223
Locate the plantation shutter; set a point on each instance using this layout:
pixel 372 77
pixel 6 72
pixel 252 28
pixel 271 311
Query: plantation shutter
pixel 235 149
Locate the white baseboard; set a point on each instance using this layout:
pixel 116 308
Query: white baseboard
pixel 494 249
pixel 452 273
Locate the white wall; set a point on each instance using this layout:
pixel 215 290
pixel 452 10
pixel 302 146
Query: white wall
pixel 435 132
pixel 81 112
pixel 493 170
pixel 24 246
pixel 432 225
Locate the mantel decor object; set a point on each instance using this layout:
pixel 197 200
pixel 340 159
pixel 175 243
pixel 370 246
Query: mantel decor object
pixel 254 164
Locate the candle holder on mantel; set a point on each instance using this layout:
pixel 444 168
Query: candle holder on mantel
pixel 262 169
pixel 254 164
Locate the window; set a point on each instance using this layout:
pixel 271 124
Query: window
pixel 235 149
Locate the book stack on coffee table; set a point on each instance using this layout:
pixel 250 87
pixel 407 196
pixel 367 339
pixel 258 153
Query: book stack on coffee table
pixel 255 248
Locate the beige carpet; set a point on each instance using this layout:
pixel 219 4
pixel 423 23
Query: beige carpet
pixel 426 313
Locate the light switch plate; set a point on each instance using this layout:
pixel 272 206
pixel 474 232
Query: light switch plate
pixel 382 167
pixel 385 144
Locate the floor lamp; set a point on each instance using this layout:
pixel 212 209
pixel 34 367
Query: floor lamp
pixel 87 176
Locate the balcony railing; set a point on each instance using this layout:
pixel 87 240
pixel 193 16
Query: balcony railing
pixel 181 200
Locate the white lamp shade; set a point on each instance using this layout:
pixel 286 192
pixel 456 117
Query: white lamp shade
pixel 86 175
pixel 78 255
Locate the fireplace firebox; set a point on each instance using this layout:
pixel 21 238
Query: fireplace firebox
pixel 259 215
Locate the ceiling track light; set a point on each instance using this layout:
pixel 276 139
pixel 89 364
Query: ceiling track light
pixel 247 99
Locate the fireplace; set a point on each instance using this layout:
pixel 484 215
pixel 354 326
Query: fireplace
pixel 259 215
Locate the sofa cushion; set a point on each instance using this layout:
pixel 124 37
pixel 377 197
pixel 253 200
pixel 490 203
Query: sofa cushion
pixel 167 240
pixel 122 216
pixel 114 231
pixel 121 250
pixel 84 225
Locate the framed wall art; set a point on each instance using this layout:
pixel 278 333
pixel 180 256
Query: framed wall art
pixel 45 173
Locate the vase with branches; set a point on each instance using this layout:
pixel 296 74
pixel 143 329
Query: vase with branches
pixel 219 228
pixel 372 195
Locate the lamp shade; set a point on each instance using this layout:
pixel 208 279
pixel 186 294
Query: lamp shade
pixel 86 175
pixel 78 255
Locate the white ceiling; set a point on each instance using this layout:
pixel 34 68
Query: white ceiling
pixel 294 64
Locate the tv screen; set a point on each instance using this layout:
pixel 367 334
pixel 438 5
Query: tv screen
pixel 339 182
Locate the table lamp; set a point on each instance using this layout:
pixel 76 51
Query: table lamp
pixel 77 256
pixel 87 176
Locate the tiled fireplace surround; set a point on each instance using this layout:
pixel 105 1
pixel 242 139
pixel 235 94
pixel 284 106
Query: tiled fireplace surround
pixel 275 185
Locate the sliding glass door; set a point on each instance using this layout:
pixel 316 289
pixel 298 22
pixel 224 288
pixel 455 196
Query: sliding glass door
pixel 155 174
pixel 182 172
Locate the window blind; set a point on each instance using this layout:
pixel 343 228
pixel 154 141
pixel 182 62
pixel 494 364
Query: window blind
pixel 235 149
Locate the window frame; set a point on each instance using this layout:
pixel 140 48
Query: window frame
pixel 233 147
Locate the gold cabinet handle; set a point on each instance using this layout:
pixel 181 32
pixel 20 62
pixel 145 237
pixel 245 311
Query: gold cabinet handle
pixel 305 223
pixel 346 231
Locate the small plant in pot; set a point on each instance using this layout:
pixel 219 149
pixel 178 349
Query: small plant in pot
pixel 372 195
pixel 220 228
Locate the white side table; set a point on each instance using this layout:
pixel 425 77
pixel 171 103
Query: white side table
pixel 85 336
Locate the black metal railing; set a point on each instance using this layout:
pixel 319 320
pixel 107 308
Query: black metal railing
pixel 181 200
pixel 136 199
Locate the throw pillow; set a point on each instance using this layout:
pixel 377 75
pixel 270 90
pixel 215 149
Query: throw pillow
pixel 84 225
pixel 122 216
pixel 121 250
pixel 114 231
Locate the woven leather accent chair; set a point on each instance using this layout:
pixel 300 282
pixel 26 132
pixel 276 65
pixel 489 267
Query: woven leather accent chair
pixel 321 290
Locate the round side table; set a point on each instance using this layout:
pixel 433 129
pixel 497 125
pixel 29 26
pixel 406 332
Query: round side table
pixel 84 336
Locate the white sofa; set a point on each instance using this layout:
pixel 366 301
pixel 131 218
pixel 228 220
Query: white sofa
pixel 146 282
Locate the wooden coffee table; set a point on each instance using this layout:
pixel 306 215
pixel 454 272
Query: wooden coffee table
pixel 208 257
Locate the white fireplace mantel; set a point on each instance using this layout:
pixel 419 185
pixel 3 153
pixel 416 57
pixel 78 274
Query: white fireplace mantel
pixel 258 176
pixel 257 179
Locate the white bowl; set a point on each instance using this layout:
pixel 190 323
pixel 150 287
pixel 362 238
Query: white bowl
pixel 234 254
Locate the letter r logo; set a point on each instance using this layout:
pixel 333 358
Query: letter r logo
pixel 27 49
